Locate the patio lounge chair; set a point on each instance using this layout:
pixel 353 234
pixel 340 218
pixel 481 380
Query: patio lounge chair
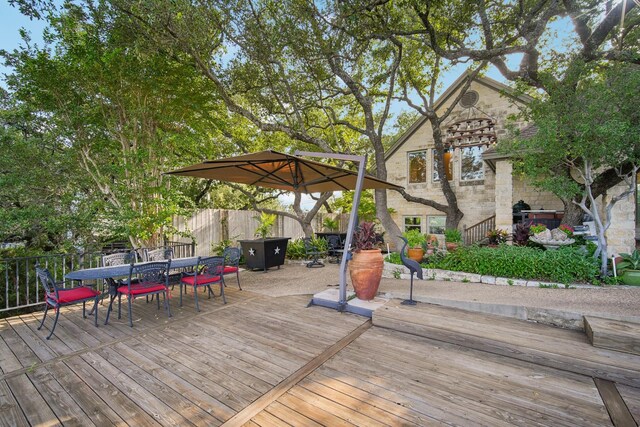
pixel 208 271
pixel 232 261
pixel 57 297
pixel 144 279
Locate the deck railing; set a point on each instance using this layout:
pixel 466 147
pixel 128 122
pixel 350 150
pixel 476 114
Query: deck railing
pixel 478 231
pixel 19 288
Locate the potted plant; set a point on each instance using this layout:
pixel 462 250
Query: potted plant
pixel 415 244
pixel 452 238
pixel 264 252
pixel 630 266
pixel 365 267
pixel 265 224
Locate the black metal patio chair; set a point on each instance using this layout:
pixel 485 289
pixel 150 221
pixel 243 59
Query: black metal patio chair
pixel 57 297
pixel 334 248
pixel 312 252
pixel 208 271
pixel 232 261
pixel 144 279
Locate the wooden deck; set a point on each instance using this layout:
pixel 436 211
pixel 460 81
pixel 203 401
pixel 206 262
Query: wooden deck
pixel 271 361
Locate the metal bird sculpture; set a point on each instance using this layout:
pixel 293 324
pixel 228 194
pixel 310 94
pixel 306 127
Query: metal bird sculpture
pixel 414 267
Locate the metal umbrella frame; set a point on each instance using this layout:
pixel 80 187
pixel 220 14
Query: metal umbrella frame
pixel 293 173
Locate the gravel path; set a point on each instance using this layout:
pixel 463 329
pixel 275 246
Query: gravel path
pixel 609 301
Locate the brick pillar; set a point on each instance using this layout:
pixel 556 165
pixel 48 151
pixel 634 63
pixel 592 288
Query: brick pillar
pixel 504 195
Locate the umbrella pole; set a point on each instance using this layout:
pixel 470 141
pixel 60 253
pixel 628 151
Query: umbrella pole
pixel 353 217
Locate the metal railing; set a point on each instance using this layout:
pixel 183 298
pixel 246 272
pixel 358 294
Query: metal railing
pixel 478 231
pixel 19 289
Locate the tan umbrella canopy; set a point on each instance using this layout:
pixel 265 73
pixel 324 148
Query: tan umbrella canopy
pixel 281 171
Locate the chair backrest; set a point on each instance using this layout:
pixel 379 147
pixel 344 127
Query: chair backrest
pixel 334 241
pixel 212 266
pixel 158 254
pixel 232 256
pixel 119 258
pixel 46 280
pixel 150 273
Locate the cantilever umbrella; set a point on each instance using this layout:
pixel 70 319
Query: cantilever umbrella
pixel 282 171
pixel 293 173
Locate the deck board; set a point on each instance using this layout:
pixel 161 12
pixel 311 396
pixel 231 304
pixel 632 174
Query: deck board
pixel 279 363
pixel 12 415
pixel 631 396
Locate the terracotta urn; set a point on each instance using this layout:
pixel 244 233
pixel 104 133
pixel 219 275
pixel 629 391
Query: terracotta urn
pixel 415 254
pixel 365 269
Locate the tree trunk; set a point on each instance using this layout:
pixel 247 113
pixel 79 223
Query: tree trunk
pixel 573 213
pixel 391 228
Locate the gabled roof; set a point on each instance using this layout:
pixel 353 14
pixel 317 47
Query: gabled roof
pixel 451 91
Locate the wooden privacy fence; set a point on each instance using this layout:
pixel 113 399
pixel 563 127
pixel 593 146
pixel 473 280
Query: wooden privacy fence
pixel 211 226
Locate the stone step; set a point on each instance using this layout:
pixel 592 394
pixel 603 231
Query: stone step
pixel 564 349
pixel 613 334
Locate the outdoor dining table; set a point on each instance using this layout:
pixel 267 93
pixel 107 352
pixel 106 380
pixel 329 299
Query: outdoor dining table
pixel 122 270
pixel 111 271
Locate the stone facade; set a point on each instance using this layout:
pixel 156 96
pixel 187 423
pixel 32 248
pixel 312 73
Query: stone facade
pixel 499 190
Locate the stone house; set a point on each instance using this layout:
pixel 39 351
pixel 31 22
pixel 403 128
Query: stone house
pixel 482 179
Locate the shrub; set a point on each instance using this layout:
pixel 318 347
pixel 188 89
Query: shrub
pixel 365 237
pixel 521 234
pixel 537 228
pixel 415 238
pixel 452 235
pixel 296 250
pixel 564 265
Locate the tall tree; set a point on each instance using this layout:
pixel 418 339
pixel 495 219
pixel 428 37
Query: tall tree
pixel 587 131
pixel 299 73
pixel 125 114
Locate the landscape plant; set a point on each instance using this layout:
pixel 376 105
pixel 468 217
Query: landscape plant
pixel 565 265
pixel 415 238
pixel 265 224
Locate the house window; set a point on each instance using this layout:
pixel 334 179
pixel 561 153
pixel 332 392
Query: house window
pixel 413 223
pixel 436 224
pixel 417 167
pixel 471 167
pixel 448 165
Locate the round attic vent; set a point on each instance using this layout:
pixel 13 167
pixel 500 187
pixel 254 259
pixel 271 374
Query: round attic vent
pixel 469 99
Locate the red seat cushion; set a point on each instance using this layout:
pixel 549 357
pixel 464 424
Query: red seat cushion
pixel 142 288
pixel 76 294
pixel 228 270
pixel 203 279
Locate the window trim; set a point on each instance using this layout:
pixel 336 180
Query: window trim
pixel 420 225
pixel 428 225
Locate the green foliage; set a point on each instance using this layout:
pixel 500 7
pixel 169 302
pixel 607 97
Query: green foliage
pixel 296 249
pixel 365 237
pixel 629 261
pixel 415 238
pixel 330 224
pixel 366 208
pixel 218 248
pixel 536 228
pixel 564 265
pixel 452 235
pixel 496 236
pixel 266 222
